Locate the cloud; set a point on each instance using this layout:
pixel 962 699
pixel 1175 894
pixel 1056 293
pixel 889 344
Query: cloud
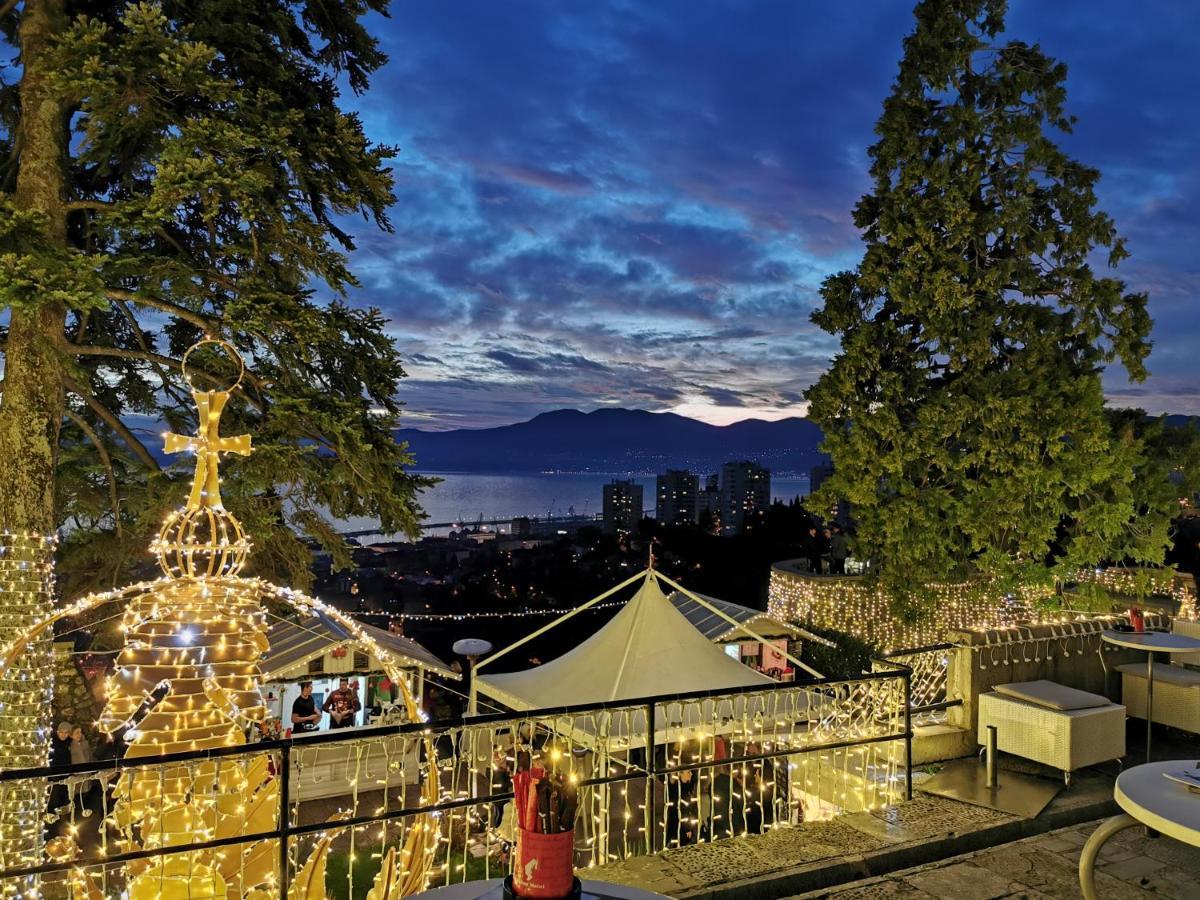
pixel 618 203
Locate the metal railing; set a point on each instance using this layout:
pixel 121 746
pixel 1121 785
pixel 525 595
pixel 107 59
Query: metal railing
pixel 930 680
pixel 651 773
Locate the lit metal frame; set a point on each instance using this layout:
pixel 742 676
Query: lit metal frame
pixel 894 682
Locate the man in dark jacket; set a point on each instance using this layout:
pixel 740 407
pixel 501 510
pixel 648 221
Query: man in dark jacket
pixel 838 551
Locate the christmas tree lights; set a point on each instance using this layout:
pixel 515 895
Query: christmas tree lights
pixel 186 679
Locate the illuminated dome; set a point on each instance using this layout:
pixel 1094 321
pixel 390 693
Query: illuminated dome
pixel 204 542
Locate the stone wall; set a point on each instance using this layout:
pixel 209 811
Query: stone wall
pixel 74 700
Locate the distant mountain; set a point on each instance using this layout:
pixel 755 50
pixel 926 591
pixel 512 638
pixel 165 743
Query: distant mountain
pixel 617 440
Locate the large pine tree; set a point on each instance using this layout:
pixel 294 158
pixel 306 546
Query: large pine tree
pixel 171 170
pixel 964 413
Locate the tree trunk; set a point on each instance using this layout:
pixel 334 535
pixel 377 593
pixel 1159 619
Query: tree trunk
pixel 30 417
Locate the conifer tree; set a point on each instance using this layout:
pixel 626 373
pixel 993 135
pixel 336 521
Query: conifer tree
pixel 964 412
pixel 168 171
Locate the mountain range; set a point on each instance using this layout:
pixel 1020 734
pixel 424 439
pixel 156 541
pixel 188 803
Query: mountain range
pixel 617 440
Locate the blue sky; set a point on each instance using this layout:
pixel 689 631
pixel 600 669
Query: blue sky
pixel 615 203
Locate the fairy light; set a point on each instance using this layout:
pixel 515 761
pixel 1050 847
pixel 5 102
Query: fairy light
pixel 27 588
pixel 189 675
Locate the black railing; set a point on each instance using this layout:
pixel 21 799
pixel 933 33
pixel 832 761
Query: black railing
pixel 817 716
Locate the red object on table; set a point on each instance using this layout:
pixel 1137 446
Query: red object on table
pixel 544 864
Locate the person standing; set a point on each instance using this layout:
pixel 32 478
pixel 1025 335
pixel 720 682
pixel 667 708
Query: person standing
pixel 342 705
pixel 60 757
pixel 305 714
pixel 838 551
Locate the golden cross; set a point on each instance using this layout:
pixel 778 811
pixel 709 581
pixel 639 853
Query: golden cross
pixel 208 444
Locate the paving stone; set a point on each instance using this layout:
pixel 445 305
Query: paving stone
pixel 887 889
pixel 1032 868
pixel 824 840
pixel 1134 870
pixel 1175 884
pixel 962 881
pixel 721 861
pixel 925 817
pixel 1175 853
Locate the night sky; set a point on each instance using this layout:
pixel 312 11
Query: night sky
pixel 615 203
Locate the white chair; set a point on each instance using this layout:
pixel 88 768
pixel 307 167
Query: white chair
pixel 1176 694
pixel 1053 724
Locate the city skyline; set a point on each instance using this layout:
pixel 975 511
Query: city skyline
pixel 618 205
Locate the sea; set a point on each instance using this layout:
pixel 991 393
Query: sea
pixel 463 498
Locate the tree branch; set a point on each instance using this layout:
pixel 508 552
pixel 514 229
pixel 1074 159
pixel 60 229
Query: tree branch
pixel 102 451
pixel 137 447
pixel 7 8
pixel 210 325
pixel 74 205
pixel 158 359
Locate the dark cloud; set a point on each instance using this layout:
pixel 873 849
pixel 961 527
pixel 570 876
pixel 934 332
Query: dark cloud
pixel 618 202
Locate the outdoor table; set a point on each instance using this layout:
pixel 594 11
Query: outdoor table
pixel 1147 798
pixel 493 889
pixel 1152 642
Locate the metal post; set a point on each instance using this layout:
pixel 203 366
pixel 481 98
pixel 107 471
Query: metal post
pixel 908 733
pixel 1149 699
pixel 991 756
pixel 285 783
pixel 651 770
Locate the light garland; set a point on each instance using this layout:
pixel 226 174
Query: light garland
pixel 26 691
pixel 187 679
pixel 854 606
pixel 486 614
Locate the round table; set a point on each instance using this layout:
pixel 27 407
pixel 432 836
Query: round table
pixel 493 888
pixel 1150 799
pixel 1152 642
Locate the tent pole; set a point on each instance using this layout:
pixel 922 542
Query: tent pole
pixel 558 621
pixel 728 618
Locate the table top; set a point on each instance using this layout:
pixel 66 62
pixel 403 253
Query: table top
pixel 1166 806
pixel 1153 640
pixel 592 890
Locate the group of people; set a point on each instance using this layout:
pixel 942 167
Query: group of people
pixel 826 550
pixel 342 705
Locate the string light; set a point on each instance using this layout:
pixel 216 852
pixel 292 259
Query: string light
pixel 483 614
pixel 186 679
pixel 864 609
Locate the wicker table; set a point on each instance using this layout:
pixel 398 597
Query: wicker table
pixel 1147 798
pixel 1152 642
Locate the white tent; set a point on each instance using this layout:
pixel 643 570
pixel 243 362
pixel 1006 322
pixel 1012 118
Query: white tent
pixel 648 648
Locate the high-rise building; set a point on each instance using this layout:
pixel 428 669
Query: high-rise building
pixel 745 491
pixel 675 497
pixel 622 506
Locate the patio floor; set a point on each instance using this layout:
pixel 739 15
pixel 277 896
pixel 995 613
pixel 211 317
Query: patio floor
pixel 1132 867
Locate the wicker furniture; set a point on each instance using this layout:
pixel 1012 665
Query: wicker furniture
pixel 1053 724
pixel 1176 694
pixel 1152 642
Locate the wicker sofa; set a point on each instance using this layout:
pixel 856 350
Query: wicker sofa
pixel 1176 694
pixel 1053 724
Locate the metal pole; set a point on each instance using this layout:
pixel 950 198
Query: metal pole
pixel 1149 699
pixel 991 756
pixel 908 733
pixel 651 775
pixel 285 783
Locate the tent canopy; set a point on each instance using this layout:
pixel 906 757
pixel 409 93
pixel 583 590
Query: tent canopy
pixel 294 642
pixel 717 628
pixel 648 648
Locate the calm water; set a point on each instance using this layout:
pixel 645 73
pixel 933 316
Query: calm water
pixel 463 497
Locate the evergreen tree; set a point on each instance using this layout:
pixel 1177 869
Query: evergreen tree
pixel 168 171
pixel 964 413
